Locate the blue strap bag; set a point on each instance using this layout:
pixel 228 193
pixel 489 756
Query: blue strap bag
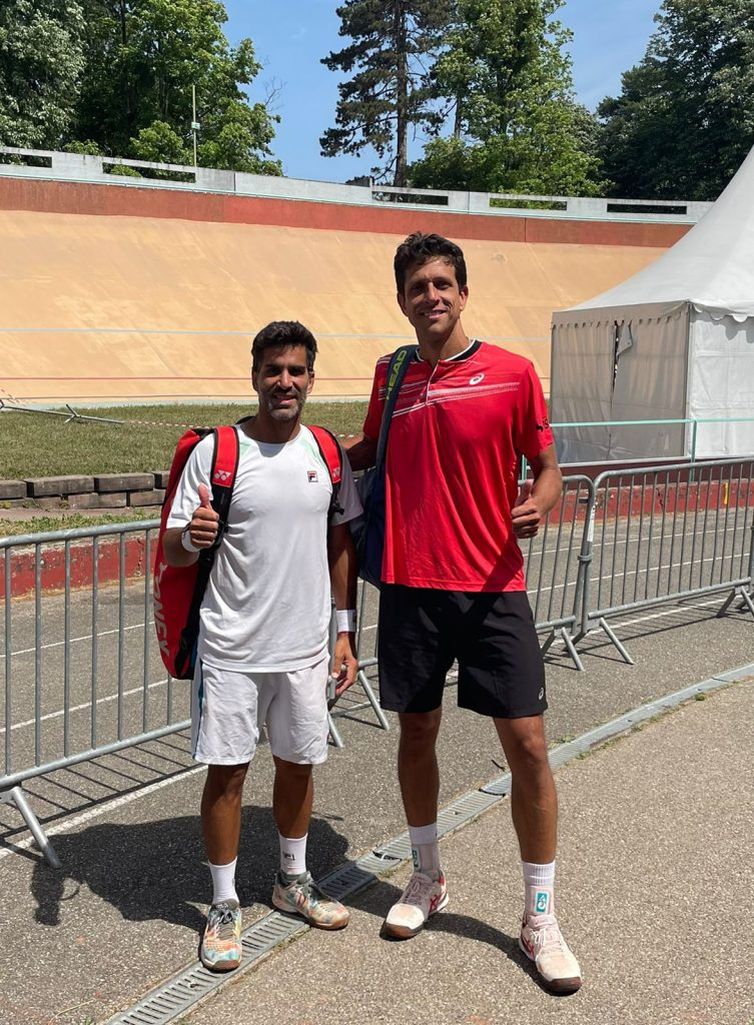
pixel 368 530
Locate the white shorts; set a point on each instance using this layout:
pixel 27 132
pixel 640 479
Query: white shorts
pixel 228 709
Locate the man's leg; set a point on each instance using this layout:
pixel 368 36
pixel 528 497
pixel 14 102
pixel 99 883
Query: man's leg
pixel 534 802
pixel 419 779
pixel 221 825
pixel 296 712
pixel 534 809
pixel 224 736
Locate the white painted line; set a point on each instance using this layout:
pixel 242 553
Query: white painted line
pixel 81 708
pixel 72 640
pixel 117 802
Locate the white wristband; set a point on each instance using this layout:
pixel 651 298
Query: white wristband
pixel 346 620
pixel 186 541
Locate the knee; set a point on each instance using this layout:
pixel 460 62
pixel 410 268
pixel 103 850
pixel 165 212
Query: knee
pixel 419 729
pixel 293 771
pixel 226 780
pixel 529 752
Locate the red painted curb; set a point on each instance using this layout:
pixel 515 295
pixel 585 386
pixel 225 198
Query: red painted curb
pixel 132 201
pixel 23 565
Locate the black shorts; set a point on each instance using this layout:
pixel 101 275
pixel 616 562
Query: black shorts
pixel 422 631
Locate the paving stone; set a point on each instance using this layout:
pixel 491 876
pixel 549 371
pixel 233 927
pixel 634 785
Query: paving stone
pixel 110 500
pixel 12 489
pixel 37 487
pixel 139 498
pixel 124 482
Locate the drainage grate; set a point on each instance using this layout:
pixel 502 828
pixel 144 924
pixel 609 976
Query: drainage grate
pixel 464 810
pixel 499 787
pixel 188 987
pixel 193 984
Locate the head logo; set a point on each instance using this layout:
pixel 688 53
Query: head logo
pixel 476 379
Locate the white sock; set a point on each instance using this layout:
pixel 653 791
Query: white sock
pixel 293 854
pixel 424 849
pixel 223 881
pixel 539 886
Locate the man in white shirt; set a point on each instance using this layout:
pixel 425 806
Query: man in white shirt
pixel 262 650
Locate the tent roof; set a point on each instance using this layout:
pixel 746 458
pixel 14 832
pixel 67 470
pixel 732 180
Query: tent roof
pixel 711 267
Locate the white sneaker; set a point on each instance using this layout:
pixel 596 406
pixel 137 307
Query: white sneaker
pixel 542 942
pixel 422 897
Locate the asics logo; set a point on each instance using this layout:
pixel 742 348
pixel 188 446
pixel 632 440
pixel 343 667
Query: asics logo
pixel 476 379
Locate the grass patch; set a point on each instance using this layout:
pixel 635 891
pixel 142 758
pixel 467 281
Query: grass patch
pixel 39 445
pixel 72 521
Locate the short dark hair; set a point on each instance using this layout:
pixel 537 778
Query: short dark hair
pixel 283 334
pixel 419 248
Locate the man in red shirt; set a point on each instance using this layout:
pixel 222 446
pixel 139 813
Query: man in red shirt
pixel 453 580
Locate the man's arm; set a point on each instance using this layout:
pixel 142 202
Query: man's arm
pixel 183 544
pixel 342 558
pixel 362 451
pixel 537 498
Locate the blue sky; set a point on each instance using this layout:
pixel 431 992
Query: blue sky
pixel 290 37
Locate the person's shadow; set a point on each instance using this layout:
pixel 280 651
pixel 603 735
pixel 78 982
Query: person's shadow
pixel 158 870
pixel 379 897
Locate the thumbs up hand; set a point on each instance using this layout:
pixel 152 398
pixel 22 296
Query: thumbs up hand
pixel 525 514
pixel 205 522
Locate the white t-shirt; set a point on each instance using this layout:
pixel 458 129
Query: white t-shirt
pixel 267 603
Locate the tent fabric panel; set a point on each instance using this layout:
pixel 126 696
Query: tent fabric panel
pixel 582 381
pixel 722 384
pixel 650 384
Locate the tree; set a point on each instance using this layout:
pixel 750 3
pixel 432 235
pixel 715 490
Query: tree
pixel 516 126
pixel 390 58
pixel 41 60
pixel 143 57
pixel 684 120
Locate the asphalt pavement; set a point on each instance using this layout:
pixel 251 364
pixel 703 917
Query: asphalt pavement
pixel 653 865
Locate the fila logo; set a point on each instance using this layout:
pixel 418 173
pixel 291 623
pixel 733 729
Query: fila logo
pixel 312 477
pixel 476 379
pixel 222 476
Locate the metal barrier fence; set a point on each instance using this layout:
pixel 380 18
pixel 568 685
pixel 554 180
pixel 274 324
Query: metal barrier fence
pixel 661 534
pixel 83 678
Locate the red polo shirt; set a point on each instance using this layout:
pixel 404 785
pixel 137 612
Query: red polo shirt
pixel 455 439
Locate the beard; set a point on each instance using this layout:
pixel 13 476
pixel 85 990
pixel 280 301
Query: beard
pixel 284 414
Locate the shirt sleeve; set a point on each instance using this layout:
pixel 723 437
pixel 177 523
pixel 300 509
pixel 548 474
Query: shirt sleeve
pixel 195 472
pixel 373 420
pixel 532 432
pixel 348 496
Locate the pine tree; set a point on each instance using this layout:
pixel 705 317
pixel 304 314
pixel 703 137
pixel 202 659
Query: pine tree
pixel 390 91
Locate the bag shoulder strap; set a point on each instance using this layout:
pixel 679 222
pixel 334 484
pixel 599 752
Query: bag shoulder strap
pixel 396 371
pixel 223 472
pixel 332 456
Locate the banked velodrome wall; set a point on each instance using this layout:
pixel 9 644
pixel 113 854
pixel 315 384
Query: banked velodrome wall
pixel 115 292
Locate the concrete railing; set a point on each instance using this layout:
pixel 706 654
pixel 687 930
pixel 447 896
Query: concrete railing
pixel 52 165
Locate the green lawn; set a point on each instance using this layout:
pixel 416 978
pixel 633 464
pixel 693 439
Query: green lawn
pixel 39 445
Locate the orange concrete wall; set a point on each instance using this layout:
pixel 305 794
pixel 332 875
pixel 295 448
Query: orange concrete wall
pixel 111 293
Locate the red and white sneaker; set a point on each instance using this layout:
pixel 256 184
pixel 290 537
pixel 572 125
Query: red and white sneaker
pixel 422 897
pixel 542 942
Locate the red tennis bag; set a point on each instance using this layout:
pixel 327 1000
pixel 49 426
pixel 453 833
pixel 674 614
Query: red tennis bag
pixel 178 591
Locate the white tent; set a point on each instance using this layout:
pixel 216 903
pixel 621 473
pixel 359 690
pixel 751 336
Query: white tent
pixel 675 341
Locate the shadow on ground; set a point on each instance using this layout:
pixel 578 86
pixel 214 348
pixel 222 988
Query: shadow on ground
pixel 157 870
